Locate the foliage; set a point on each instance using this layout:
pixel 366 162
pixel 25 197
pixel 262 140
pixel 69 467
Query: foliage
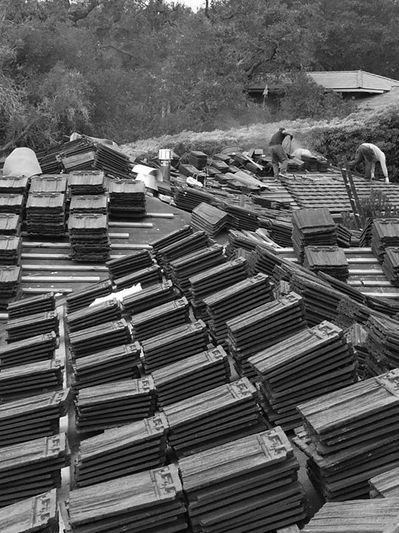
pixel 376 205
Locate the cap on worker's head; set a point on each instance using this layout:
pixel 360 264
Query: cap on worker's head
pixel 281 129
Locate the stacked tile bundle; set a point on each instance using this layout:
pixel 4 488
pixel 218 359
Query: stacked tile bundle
pixel 31 306
pixel 390 264
pixel 344 236
pixel 215 279
pixel 351 435
pixel 107 311
pixel 210 219
pixel 86 182
pixel 32 349
pixel 306 365
pixel 191 376
pixel 12 203
pixel 357 516
pixel 151 501
pixel 174 345
pixel 79 152
pixel 180 270
pixel 235 300
pixel 45 213
pixel 31 468
pixel 33 417
pixel 90 340
pixel 385 233
pixel 14 185
pixel 79 299
pixel 383 344
pixel 10 224
pixel 149 297
pixel 248 485
pixel 193 243
pixel 146 276
pixel 198 159
pixel 122 266
pixel 49 183
pixel 280 229
pixel 31 325
pixel 242 217
pixel 262 327
pixel 122 451
pixel 328 259
pixel 10 279
pixel 312 227
pixel 113 162
pixel 89 203
pixel 10 250
pixel 160 319
pixel 29 379
pixel 127 199
pixel 13 194
pixel 171 238
pixel 214 417
pixel 114 364
pixel 385 485
pixel 113 404
pixel 188 198
pixel 88 236
pixel 41 511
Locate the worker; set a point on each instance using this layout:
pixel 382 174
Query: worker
pixel 370 154
pixel 279 155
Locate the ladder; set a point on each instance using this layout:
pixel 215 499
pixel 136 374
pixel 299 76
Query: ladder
pixel 352 193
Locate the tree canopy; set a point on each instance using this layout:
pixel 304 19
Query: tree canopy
pixel 126 69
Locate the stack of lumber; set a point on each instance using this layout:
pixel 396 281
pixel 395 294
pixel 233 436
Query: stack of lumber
pixel 79 299
pixel 30 306
pixel 118 363
pixel 122 451
pixel 34 417
pixel 94 315
pixel 390 264
pixel 31 325
pixel 113 162
pixel 385 233
pixel 242 217
pixel 209 218
pixel 127 199
pixel 213 417
pixel 328 259
pixel 357 516
pixel 113 404
pixel 308 364
pixel 39 512
pixel 122 266
pixel 198 159
pixel 45 213
pixel 88 235
pixel 86 182
pixel 30 379
pixel 312 227
pixel 100 337
pixel 89 203
pixel 10 250
pixel 193 375
pixel 14 185
pixel 32 467
pixel 382 343
pixel 215 279
pixel 351 435
pixel 33 349
pixel 146 276
pixel 174 345
pixel 10 224
pixel 49 183
pixel 248 485
pixel 160 319
pixel 188 198
pixel 149 297
pixel 262 327
pixel 192 243
pixel 385 485
pixel 171 238
pixel 235 300
pixel 146 502
pixel 12 203
pixel 180 270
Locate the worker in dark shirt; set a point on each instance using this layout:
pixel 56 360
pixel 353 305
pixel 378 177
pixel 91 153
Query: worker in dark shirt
pixel 279 155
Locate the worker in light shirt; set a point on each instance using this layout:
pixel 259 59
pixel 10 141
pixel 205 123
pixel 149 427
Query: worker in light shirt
pixel 370 154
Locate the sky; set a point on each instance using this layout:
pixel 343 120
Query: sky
pixel 194 4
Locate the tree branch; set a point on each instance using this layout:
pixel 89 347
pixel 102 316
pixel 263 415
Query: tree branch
pixel 121 50
pixel 81 12
pixel 21 134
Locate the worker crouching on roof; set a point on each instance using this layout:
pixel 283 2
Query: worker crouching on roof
pixel 370 154
pixel 279 155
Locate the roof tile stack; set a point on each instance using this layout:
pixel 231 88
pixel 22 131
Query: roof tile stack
pixel 146 276
pixel 306 365
pixel 113 404
pixel 129 263
pixel 262 327
pixel 10 250
pixel 209 218
pixel 49 183
pixel 188 198
pixel 383 344
pixel 14 184
pixel 385 485
pixel 312 227
pixel 146 502
pixel 79 299
pixel 45 213
pixel 351 435
pixel 31 325
pixel 107 311
pixel 328 259
pixel 127 199
pixel 193 243
pixel 149 297
pixel 88 235
pixel 10 224
pixel 247 485
pixel 100 337
pixel 122 451
pixel 40 512
pixel 242 217
pixel 390 264
pixel 30 306
pixel 192 375
pixel 89 203
pixel 86 182
pixel 113 162
pixel 385 233
pixel 38 348
pixel 12 203
pixel 171 238
pixel 214 417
